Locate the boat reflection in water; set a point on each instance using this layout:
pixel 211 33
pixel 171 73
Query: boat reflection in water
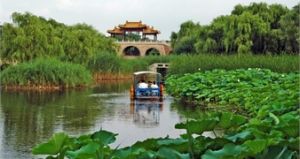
pixel 146 112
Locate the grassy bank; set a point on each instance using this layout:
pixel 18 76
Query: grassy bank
pixel 108 66
pixel 181 64
pixel 194 63
pixel 110 63
pixel 45 74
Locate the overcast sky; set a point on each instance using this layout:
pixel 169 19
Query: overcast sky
pixel 164 15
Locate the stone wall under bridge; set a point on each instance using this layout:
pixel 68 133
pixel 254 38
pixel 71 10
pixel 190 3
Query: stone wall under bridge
pixel 143 47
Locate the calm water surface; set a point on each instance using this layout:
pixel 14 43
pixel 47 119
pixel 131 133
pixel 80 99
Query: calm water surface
pixel 29 118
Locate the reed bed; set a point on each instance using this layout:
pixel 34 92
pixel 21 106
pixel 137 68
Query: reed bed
pixel 45 74
pixel 194 63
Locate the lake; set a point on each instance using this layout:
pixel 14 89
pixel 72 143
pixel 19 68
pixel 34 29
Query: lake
pixel 30 118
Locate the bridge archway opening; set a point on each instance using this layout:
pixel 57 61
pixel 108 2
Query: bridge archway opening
pixel 131 51
pixel 153 52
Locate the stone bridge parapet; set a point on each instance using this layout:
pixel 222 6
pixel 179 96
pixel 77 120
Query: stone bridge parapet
pixel 144 47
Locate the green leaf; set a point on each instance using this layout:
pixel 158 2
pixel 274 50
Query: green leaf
pixel 256 146
pixel 278 152
pixel 293 143
pixel 166 142
pixel 167 153
pixel 228 151
pixel 83 139
pixel 85 152
pixel 198 126
pixel 104 137
pixel 229 120
pixel 130 153
pixel 149 144
pixel 241 135
pixel 178 144
pixel 274 117
pixel 53 146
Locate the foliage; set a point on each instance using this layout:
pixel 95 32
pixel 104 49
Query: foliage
pixel 181 64
pixel 270 99
pixel 30 36
pixel 96 146
pixel 104 62
pixel 270 130
pixel 183 41
pixel 109 62
pixel 194 63
pixel 239 87
pixel 46 72
pixel 258 28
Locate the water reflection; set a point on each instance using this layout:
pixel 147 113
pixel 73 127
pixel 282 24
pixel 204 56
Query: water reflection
pixel 28 118
pixel 146 113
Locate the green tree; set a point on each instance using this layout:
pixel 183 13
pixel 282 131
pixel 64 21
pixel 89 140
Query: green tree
pixel 30 36
pixel 257 28
pixel 289 26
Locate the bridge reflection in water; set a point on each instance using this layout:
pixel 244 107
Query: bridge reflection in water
pixel 146 113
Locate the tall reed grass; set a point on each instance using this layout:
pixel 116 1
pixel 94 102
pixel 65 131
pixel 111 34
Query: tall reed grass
pixel 51 71
pixel 110 63
pixel 180 64
pixel 192 63
pixel 46 72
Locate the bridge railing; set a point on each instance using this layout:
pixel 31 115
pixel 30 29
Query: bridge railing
pixel 143 41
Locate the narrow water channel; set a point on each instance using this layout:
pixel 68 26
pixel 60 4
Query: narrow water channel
pixel 29 118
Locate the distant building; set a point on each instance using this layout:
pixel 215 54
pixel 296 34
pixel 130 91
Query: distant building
pixel 126 29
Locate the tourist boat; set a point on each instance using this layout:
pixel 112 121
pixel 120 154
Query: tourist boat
pixel 146 85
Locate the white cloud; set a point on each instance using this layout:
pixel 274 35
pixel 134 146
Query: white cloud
pixel 67 4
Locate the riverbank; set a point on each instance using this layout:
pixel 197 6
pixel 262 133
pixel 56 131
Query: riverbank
pixel 39 88
pixel 98 78
pixel 41 74
pixel 193 63
pixel 107 76
pixel 45 74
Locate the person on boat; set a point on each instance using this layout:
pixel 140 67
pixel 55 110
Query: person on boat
pixel 154 85
pixel 149 84
pixel 142 84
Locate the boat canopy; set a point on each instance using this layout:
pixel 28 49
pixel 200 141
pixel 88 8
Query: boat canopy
pixel 145 72
pixel 147 76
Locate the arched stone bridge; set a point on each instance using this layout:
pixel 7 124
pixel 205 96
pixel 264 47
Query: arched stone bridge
pixel 143 48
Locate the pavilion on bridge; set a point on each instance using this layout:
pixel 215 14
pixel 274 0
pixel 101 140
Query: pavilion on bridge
pixel 133 28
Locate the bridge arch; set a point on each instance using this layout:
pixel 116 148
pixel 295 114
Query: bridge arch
pixel 143 48
pixel 152 51
pixel 131 51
